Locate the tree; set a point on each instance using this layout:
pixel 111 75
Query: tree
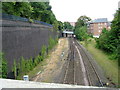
pixel 68 26
pixel 82 21
pixel 81 28
pixel 81 33
pixel 38 10
pixel 22 9
pixel 60 26
pixel 32 10
pixel 55 25
pixel 42 11
pixel 109 40
pixel 6 5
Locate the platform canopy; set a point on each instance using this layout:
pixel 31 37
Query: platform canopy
pixel 68 32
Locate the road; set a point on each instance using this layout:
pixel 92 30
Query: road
pixel 80 68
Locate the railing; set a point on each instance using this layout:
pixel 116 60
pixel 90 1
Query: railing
pixel 17 18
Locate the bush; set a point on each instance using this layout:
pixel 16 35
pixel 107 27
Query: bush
pixel 109 40
pixel 3 66
pixel 43 52
pixel 31 20
pixel 52 43
pixel 22 64
pixel 14 69
pixel 27 65
pixel 81 33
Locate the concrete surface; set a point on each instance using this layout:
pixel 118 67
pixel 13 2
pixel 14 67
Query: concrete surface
pixel 9 83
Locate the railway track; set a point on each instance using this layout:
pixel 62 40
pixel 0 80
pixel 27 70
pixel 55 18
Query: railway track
pixel 92 75
pixel 70 72
pixel 79 69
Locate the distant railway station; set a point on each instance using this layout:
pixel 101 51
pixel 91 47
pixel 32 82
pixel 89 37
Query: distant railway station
pixel 67 33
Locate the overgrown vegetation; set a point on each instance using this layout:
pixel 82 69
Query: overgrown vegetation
pixel 109 67
pixel 26 65
pixel 32 10
pixel 35 10
pixel 68 26
pixel 81 33
pixel 52 43
pixel 109 41
pixel 81 28
pixel 3 66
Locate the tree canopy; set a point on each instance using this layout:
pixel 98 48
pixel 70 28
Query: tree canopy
pixel 109 41
pixel 82 21
pixel 60 27
pixel 68 26
pixel 33 10
pixel 22 9
pixel 81 28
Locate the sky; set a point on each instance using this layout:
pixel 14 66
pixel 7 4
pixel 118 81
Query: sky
pixel 71 10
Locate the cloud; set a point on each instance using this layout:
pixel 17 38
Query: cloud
pixel 71 10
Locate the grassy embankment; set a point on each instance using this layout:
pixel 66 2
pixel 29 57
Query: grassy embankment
pixel 40 67
pixel 110 67
pixel 50 66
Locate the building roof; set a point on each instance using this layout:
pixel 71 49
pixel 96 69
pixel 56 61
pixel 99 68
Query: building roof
pixel 99 20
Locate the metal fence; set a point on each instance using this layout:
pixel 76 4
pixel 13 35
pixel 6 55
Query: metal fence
pixel 17 18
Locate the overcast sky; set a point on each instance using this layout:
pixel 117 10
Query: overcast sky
pixel 71 10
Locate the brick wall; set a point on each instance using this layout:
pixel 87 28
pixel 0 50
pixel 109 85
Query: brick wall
pixel 96 28
pixel 23 39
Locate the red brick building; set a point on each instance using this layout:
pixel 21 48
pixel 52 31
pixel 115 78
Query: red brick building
pixel 96 26
pixel 72 23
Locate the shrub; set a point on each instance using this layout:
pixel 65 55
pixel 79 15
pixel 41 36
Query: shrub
pixel 109 40
pixel 81 33
pixel 14 69
pixel 31 21
pixel 52 43
pixel 22 64
pixel 3 66
pixel 26 65
pixel 43 51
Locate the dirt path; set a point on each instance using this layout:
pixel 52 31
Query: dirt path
pixel 55 62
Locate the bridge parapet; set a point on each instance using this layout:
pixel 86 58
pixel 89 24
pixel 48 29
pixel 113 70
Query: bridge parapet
pixel 9 83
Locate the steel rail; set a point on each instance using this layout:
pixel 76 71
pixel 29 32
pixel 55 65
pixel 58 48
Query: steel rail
pixel 100 81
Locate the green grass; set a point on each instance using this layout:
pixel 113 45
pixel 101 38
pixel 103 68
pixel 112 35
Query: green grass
pixel 38 68
pixel 110 67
